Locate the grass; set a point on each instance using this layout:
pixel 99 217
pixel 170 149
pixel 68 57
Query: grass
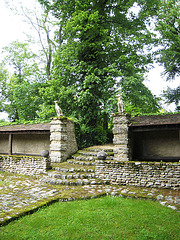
pixel 102 218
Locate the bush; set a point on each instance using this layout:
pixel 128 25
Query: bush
pixel 87 135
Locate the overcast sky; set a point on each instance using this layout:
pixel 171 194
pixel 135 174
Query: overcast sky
pixel 13 28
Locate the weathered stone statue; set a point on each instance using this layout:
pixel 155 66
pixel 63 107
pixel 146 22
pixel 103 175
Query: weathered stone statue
pixel 58 109
pixel 120 104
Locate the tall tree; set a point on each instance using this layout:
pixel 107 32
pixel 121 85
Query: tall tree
pixel 19 90
pixel 45 26
pixel 172 95
pixel 42 27
pixel 137 98
pixel 103 40
pixel 168 25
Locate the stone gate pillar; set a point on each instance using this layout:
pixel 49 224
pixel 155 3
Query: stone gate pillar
pixel 62 139
pixel 121 138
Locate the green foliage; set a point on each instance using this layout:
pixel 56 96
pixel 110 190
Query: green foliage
pixel 5 123
pixel 101 42
pixel 138 98
pixel 20 90
pixel 3 78
pixel 102 45
pixel 173 96
pixel 168 25
pixel 88 136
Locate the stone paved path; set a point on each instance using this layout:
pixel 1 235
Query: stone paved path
pixel 21 194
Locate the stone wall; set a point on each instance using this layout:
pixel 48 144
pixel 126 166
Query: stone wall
pixel 121 139
pixel 142 174
pixel 26 165
pixel 62 139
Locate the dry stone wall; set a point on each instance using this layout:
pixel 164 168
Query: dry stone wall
pixel 26 165
pixel 62 139
pixel 121 139
pixel 142 174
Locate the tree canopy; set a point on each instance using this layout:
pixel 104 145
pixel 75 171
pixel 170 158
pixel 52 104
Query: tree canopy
pixel 20 90
pixel 104 45
pixel 168 26
pixel 101 46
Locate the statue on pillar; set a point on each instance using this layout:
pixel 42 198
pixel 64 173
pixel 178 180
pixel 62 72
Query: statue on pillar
pixel 58 109
pixel 120 103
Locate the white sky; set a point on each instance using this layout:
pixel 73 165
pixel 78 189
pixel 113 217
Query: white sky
pixel 12 28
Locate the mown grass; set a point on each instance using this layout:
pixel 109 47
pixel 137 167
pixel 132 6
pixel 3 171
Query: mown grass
pixel 102 218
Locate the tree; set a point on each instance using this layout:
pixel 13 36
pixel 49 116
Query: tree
pixel 45 26
pixel 3 79
pixel 103 40
pixel 20 90
pixel 173 96
pixel 168 25
pixel 137 98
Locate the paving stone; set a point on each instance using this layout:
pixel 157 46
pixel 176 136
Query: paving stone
pixel 163 203
pixel 159 197
pixel 169 198
pixel 172 207
pixel 124 191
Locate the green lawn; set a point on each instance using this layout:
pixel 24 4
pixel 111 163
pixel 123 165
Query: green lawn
pixel 102 218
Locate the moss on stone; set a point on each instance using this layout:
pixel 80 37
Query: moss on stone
pixel 62 118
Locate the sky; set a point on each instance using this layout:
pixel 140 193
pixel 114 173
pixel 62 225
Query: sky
pixel 13 28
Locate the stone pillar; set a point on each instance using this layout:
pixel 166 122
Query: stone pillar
pixel 121 137
pixel 62 139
